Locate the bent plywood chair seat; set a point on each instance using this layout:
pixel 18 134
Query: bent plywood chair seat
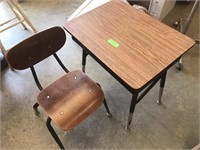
pixel 70 99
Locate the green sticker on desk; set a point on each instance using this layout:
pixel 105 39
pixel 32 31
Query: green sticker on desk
pixel 113 43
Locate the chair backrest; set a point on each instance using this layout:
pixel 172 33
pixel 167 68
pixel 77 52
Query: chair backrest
pixel 36 48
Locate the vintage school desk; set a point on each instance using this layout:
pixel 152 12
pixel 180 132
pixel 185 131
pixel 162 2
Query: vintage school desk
pixel 132 46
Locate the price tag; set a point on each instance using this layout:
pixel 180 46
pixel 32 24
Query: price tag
pixel 113 43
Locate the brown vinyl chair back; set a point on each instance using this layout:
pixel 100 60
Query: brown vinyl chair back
pixel 36 48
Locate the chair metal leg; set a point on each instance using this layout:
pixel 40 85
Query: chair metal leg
pixel 162 84
pixel 106 105
pixel 35 108
pixel 131 110
pixel 53 133
pixel 60 63
pixel 107 109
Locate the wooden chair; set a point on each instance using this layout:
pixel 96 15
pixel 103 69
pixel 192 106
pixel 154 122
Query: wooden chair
pixel 19 17
pixel 70 99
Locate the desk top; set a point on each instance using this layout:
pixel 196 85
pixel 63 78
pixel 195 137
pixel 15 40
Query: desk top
pixel 146 46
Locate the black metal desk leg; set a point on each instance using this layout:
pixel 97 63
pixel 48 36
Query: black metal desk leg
pixel 84 55
pixel 162 84
pixel 131 110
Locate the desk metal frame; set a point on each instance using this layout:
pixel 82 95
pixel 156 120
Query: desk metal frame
pixel 175 39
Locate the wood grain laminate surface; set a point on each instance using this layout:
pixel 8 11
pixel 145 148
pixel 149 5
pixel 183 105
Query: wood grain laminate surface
pixel 146 46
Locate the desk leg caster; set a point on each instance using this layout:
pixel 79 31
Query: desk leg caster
pixel 179 65
pixel 160 96
pixel 158 102
pixel 83 68
pixel 176 24
pixel 162 84
pixel 84 55
pixel 131 110
pixel 127 128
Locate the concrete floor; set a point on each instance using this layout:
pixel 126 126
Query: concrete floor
pixel 172 125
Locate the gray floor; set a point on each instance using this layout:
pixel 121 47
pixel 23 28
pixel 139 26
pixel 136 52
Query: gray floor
pixel 172 125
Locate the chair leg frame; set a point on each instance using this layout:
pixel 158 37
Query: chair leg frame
pixel 60 63
pixel 106 105
pixel 53 133
pixel 35 108
pixel 107 109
